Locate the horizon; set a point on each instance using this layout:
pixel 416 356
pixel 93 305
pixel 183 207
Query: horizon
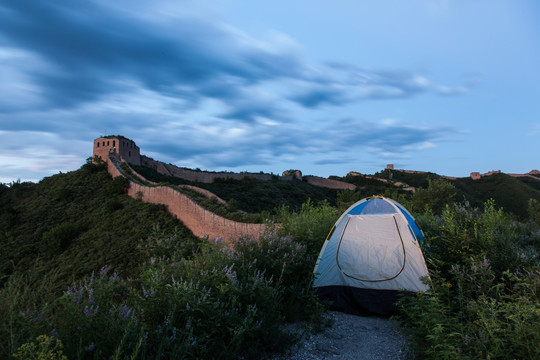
pixel 327 88
pixel 280 173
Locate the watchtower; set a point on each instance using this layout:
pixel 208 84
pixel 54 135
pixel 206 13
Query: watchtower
pixel 126 148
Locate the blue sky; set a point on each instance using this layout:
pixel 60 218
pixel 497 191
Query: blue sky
pixel 326 87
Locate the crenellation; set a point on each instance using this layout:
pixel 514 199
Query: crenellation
pixel 119 145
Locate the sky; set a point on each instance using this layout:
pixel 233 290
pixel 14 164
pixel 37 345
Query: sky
pixel 326 87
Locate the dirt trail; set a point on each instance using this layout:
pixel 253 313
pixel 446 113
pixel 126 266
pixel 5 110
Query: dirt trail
pixel 352 338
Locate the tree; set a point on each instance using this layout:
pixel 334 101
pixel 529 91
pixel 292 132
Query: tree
pixel 534 211
pixel 435 197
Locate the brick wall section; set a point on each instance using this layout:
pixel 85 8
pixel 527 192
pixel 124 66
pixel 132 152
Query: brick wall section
pixel 329 183
pixel 199 220
pixel 197 176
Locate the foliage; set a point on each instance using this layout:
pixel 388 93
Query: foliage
pixel 511 193
pixel 435 196
pixel 184 299
pixel 229 210
pixel 220 304
pixel 483 300
pixel 43 348
pixel 534 211
pixel 71 224
pixel 309 226
pixel 87 273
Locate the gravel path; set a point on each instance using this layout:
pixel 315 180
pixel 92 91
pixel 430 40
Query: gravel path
pixel 351 338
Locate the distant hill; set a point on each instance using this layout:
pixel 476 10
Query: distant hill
pixel 509 192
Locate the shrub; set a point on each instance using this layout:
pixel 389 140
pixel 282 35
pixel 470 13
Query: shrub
pixel 534 211
pixel 43 348
pixel 201 301
pixel 309 226
pixel 435 196
pixel 483 300
pixel 59 237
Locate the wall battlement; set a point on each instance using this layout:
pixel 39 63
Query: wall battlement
pixel 126 148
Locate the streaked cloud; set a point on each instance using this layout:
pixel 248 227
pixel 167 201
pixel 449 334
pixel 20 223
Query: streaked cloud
pixel 190 89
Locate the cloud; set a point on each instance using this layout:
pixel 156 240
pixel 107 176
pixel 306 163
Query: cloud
pixel 386 136
pixel 220 143
pixel 81 53
pixel 39 153
pixel 535 130
pixel 346 83
pixel 319 95
pixel 188 89
pixel 93 52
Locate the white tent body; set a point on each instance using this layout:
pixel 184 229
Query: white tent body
pixel 371 254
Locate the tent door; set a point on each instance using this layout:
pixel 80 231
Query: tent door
pixel 371 248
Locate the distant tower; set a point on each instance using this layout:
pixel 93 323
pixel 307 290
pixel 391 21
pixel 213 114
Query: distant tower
pixel 390 167
pixel 120 145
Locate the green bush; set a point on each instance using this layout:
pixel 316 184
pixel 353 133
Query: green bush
pixel 483 301
pixel 534 211
pixel 43 348
pixel 435 196
pixel 59 237
pixel 309 226
pixel 188 300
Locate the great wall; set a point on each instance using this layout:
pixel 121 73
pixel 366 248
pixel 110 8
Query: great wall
pixel 115 150
pixel 474 175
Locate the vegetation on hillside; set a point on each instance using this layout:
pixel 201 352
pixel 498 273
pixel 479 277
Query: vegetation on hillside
pixel 484 300
pixel 69 225
pixel 252 195
pixel 510 193
pixel 182 300
pixel 89 273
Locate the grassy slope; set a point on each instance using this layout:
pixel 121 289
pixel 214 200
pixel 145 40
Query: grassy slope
pixel 75 223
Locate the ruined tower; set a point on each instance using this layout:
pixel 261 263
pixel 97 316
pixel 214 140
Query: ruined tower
pixel 120 145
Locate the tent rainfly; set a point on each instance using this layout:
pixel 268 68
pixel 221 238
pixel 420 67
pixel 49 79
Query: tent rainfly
pixel 371 253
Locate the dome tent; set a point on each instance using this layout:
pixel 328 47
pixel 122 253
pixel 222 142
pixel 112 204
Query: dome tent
pixel 371 253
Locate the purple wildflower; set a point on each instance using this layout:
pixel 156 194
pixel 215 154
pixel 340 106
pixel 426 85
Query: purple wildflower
pixel 91 311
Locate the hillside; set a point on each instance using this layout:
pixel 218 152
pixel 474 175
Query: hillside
pixel 510 193
pixel 75 223
pixel 140 285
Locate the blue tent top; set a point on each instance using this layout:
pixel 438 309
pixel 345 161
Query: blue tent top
pixel 378 205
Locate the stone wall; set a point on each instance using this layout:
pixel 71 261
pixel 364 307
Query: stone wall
pixel 201 222
pixel 329 183
pixel 197 176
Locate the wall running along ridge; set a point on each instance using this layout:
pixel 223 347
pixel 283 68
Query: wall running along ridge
pixel 197 176
pixel 209 177
pixel 329 183
pixel 201 222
